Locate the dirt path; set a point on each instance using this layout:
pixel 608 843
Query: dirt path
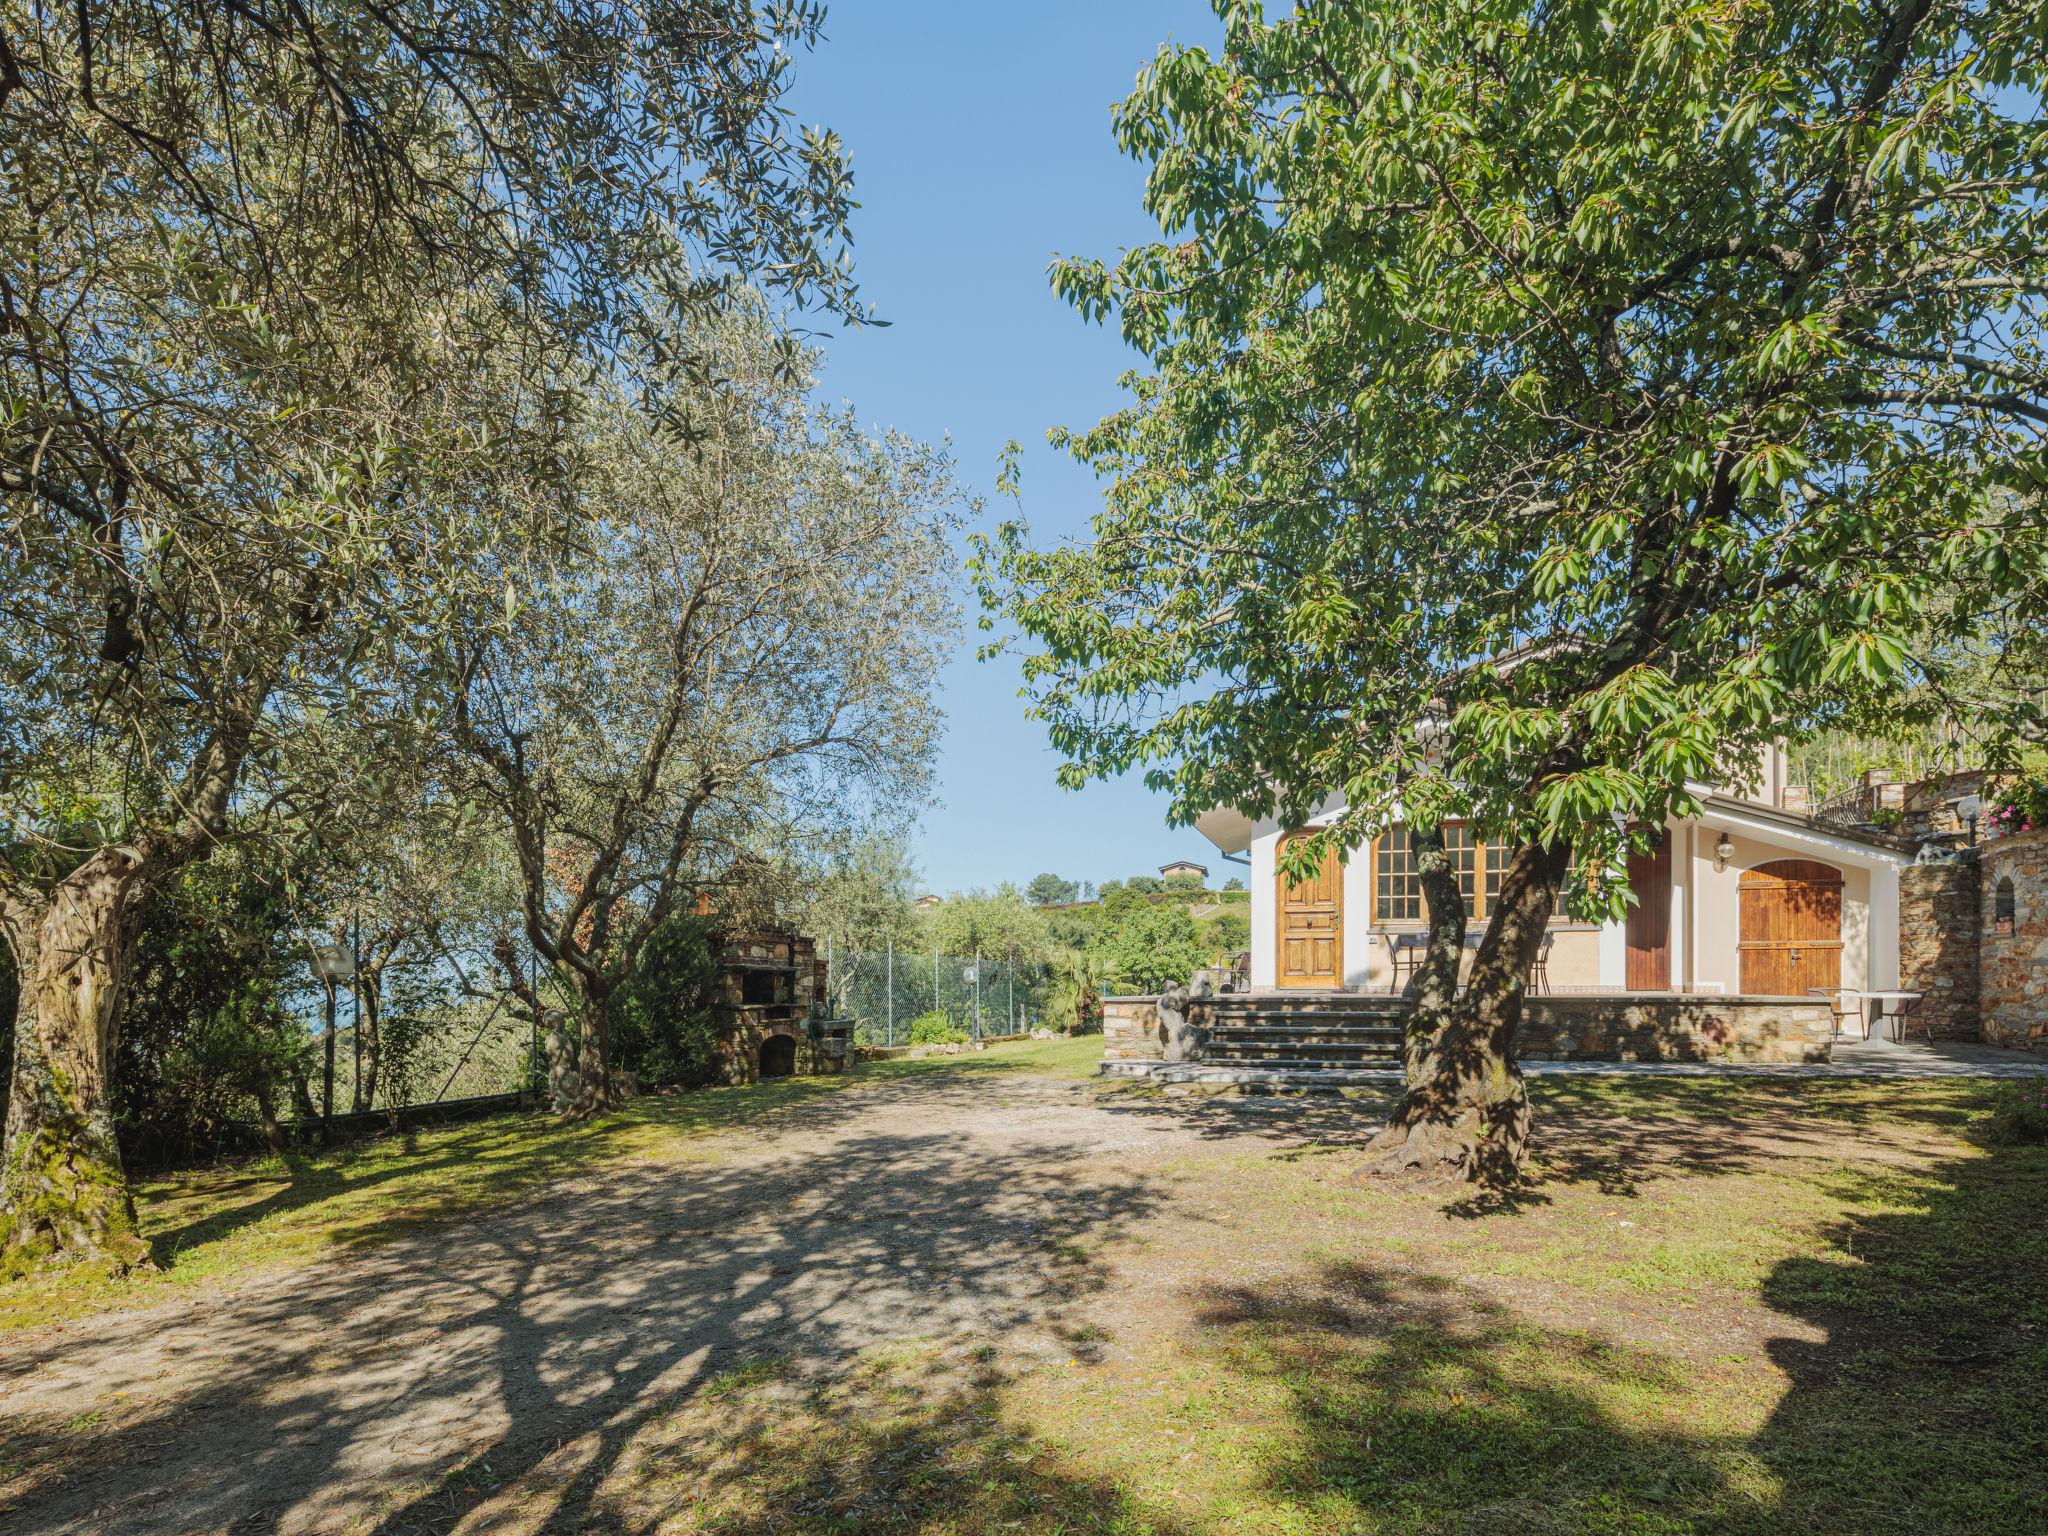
pixel 338 1397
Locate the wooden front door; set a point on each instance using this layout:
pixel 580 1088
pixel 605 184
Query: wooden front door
pixel 1312 926
pixel 1791 934
pixel 1649 920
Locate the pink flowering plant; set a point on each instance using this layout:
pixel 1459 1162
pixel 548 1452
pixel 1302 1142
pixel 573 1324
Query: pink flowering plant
pixel 2021 806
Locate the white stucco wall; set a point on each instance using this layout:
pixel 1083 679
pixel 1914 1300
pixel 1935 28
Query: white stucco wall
pixel 1705 913
pixel 1719 923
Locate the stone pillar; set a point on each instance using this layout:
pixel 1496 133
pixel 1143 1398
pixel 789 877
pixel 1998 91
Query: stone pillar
pixel 1938 945
pixel 2013 984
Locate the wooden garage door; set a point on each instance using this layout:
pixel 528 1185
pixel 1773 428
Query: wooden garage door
pixel 1791 936
pixel 1312 926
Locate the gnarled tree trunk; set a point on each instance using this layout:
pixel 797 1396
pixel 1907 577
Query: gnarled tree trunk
pixel 1466 1112
pixel 63 1192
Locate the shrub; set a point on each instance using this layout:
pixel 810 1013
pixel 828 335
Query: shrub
pixel 1150 948
pixel 2021 805
pixel 2019 1110
pixel 935 1028
pixel 663 1027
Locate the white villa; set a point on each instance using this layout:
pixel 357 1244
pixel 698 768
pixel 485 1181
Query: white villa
pixel 1748 898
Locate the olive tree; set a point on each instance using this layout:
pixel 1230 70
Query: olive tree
pixel 738 640
pixel 1545 406
pixel 276 280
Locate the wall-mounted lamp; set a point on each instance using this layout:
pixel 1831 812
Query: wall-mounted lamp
pixel 1724 850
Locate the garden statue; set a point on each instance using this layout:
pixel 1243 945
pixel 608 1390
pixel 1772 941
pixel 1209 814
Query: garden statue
pixel 1183 1040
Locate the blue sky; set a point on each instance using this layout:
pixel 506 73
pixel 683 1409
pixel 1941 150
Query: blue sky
pixel 981 145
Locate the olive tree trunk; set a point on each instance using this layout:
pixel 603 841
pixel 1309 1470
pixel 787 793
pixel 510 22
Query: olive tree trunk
pixel 1466 1112
pixel 63 1192
pixel 593 1062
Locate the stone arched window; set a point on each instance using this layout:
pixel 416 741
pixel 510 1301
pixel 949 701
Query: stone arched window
pixel 2003 908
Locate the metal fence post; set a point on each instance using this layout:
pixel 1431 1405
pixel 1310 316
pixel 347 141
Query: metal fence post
pixel 889 994
pixel 977 991
pixel 936 1005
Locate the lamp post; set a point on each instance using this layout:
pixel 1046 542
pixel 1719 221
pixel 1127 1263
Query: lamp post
pixel 334 965
pixel 1970 807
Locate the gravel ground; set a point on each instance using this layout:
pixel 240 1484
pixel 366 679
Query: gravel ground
pixel 338 1397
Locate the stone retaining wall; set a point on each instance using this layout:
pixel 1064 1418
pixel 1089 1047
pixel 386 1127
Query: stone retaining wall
pixel 1938 946
pixel 1639 1026
pixel 2012 965
pixel 1646 1026
pixel 1130 1029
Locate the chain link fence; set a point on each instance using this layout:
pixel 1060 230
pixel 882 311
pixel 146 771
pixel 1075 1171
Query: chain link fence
pixel 886 992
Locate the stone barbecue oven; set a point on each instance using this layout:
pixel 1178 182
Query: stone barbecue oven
pixel 771 1006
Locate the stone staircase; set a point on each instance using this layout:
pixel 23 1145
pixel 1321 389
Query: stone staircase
pixel 1297 1034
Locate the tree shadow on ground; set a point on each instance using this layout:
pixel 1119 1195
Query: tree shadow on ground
pixel 1914 1346
pixel 1924 1409
pixel 389 1395
pixel 519 1150
pixel 1612 1132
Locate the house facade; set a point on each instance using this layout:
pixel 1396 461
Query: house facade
pixel 1749 898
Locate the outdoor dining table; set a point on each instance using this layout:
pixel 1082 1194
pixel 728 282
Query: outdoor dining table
pixel 1902 1004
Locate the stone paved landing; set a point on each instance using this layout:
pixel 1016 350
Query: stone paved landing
pixel 1852 1058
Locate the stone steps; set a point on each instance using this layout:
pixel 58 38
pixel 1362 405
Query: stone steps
pixel 1304 1032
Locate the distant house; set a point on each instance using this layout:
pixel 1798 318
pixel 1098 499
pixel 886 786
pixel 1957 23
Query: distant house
pixel 926 902
pixel 1184 869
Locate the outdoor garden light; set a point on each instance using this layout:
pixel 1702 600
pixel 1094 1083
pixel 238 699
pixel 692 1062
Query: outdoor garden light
pixel 1724 850
pixel 1970 807
pixel 332 962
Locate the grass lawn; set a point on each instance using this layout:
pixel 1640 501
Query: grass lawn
pixel 1736 1305
pixel 216 1223
pixel 1740 1306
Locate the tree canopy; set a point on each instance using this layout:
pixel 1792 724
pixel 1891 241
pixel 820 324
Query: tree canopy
pixel 1546 406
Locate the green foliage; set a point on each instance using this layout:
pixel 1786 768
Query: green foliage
pixel 995 924
pixel 214 1026
pixel 1543 410
pixel 1227 932
pixel 1074 1001
pixel 2019 1110
pixel 1149 947
pixel 1049 890
pixel 2022 805
pixel 663 1026
pixel 935 1028
pixel 1234 884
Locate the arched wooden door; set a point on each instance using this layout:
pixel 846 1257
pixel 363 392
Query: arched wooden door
pixel 1791 934
pixel 1311 924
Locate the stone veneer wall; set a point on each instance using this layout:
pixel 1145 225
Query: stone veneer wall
pixel 2012 967
pixel 1938 945
pixel 1655 1026
pixel 1639 1026
pixel 1130 1029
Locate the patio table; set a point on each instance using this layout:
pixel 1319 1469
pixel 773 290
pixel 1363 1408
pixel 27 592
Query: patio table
pixel 1903 1006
